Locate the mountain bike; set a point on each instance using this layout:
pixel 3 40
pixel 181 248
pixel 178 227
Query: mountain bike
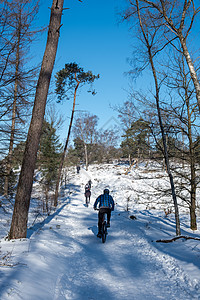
pixel 103 228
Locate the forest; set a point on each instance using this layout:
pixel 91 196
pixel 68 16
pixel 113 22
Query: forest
pixel 158 124
pixel 147 153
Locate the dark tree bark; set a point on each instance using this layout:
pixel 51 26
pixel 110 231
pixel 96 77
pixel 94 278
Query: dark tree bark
pixel 70 78
pixel 178 237
pixel 157 98
pixel 193 222
pixel 22 201
pixel 20 16
pixel 10 150
pixel 65 148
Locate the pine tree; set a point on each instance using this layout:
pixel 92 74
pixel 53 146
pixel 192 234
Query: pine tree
pixel 69 79
pixel 50 149
pixel 16 78
pixel 136 139
pixel 22 200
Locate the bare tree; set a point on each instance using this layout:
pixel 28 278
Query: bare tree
pixel 149 34
pixel 20 21
pixel 178 19
pixel 183 111
pixel 22 201
pixel 127 113
pixel 107 140
pixel 85 129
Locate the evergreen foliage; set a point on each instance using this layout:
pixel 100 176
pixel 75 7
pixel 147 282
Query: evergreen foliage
pixel 50 149
pixel 67 78
pixel 136 139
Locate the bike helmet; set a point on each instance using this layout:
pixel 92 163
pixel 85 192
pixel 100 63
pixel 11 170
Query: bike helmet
pixel 106 191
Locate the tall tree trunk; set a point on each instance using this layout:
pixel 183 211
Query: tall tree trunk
pixel 10 151
pixel 193 73
pixel 65 149
pixel 178 231
pixel 193 222
pixel 22 201
pixel 149 47
pixel 86 156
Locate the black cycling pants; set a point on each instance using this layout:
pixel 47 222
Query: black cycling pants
pixel 102 211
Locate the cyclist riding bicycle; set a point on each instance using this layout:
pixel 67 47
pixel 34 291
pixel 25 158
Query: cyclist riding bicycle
pixel 106 204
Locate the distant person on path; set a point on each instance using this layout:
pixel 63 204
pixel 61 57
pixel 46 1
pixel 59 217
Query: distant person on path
pixel 106 204
pixel 78 169
pixel 87 194
pixel 90 183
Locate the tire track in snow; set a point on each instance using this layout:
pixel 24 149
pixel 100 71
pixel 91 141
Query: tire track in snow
pixel 162 271
pixel 164 262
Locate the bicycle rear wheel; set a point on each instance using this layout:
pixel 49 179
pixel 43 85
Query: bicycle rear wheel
pixel 104 232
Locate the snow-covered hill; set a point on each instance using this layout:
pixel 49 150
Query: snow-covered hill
pixel 63 259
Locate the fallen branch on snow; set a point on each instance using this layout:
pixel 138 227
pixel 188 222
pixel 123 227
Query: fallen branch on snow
pixel 178 237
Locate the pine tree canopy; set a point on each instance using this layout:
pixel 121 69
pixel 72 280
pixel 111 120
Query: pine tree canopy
pixel 69 76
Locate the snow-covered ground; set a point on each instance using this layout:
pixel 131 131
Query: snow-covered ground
pixel 63 259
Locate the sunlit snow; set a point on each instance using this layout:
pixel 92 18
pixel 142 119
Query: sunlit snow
pixel 62 258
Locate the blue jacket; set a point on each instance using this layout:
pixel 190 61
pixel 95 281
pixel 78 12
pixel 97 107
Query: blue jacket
pixel 104 200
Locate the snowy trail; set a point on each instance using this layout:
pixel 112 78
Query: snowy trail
pixel 65 260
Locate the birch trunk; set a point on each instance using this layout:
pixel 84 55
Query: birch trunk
pixel 178 28
pixel 193 73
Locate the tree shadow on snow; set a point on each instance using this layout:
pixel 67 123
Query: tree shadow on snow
pixel 39 225
pixel 73 189
pixel 187 251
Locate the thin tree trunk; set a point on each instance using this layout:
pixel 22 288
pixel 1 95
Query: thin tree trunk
pixel 129 158
pixel 86 156
pixel 193 222
pixel 10 151
pixel 22 201
pixel 65 149
pixel 183 143
pixel 47 198
pixel 178 231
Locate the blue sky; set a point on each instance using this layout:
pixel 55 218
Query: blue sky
pixel 92 36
